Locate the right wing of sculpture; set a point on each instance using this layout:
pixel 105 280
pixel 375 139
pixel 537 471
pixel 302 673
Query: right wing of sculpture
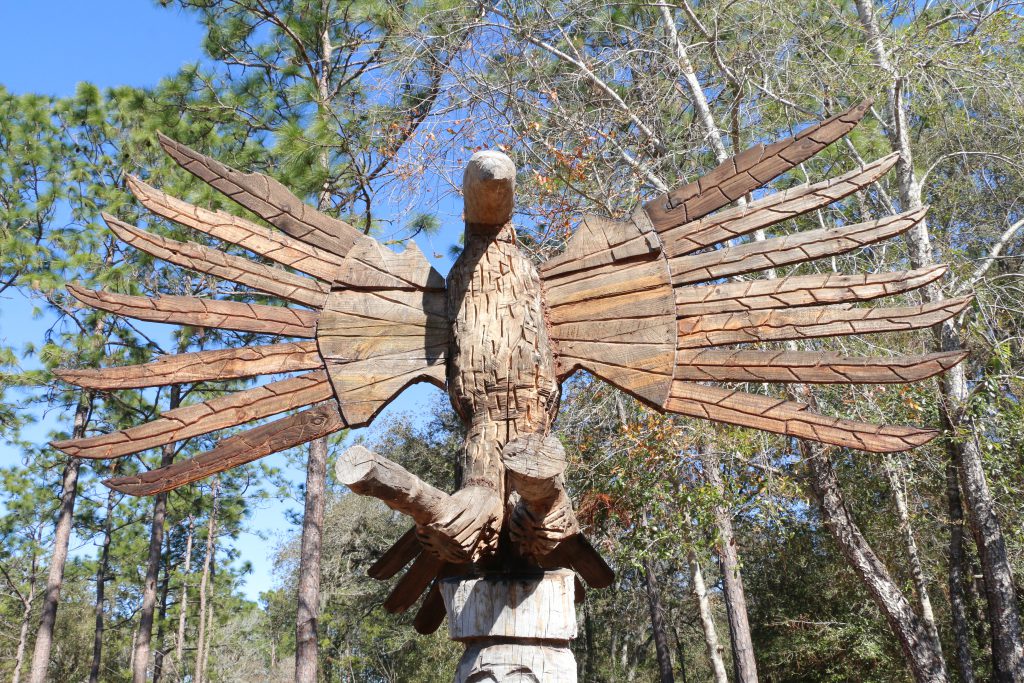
pixel 369 322
pixel 657 304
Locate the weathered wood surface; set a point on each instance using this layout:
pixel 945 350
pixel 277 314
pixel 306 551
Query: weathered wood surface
pixel 203 418
pixel 799 247
pixel 798 290
pixel 201 366
pixel 401 553
pixel 274 281
pixel 747 171
pixel 253 444
pixel 738 221
pixel 412 584
pixel 370 474
pixel 268 199
pixel 543 516
pixel 578 553
pixel 530 642
pixel 790 418
pixel 810 367
pixel 810 322
pixel 266 242
pixel 209 313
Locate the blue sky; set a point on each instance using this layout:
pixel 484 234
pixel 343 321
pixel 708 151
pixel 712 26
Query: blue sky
pixel 50 48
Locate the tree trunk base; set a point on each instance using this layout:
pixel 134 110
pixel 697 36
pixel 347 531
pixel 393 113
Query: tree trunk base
pixel 516 628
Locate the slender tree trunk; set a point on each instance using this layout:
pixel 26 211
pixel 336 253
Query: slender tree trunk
pixel 165 586
pixel 957 599
pixel 61 540
pixel 143 637
pixel 211 532
pixel 1004 613
pixel 894 473
pixel 179 641
pixel 26 619
pixel 309 564
pixel 707 620
pixel 210 611
pixel 659 631
pixel 744 664
pixel 101 580
pixel 921 652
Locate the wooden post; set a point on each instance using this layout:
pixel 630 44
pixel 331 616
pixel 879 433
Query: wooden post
pixel 516 628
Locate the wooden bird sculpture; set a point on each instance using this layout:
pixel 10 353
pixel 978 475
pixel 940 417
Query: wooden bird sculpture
pixel 652 305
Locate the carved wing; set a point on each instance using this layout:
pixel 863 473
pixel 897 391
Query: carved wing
pixel 652 304
pixel 374 322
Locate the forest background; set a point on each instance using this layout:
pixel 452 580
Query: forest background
pixel 739 555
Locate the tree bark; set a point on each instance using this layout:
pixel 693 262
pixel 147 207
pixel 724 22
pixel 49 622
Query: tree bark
pixel 309 564
pixel 211 534
pixel 179 641
pixel 165 585
pixel 143 637
pixel 707 620
pixel 61 539
pixel 101 580
pixel 1004 613
pixel 658 624
pixel 744 663
pixel 957 599
pixel 26 619
pixel 921 652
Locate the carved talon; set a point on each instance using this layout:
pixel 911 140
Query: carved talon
pixel 468 527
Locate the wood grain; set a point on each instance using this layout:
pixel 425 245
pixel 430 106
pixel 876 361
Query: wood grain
pixel 274 281
pixel 402 552
pixel 268 199
pixel 747 171
pixel 199 312
pixel 808 366
pixel 789 418
pixel 200 366
pixel 742 220
pixel 371 265
pixel 798 290
pixel 811 322
pixel 412 584
pixel 202 418
pixel 790 249
pixel 261 240
pixel 250 445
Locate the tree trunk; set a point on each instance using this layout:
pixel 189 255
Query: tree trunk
pixel 309 564
pixel 211 532
pixel 179 641
pixel 744 664
pixel 707 620
pixel 61 539
pixel 26 619
pixel 921 652
pixel 1004 614
pixel 101 580
pixel 894 473
pixel 143 637
pixel 658 624
pixel 210 611
pixel 957 599
pixel 165 586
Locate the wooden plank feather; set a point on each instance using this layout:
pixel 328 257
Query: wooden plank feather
pixel 789 249
pixel 268 199
pixel 798 290
pixel 402 552
pixel 789 418
pixel 747 171
pixel 250 445
pixel 412 584
pixel 198 312
pixel 261 240
pixel 743 220
pixel 274 281
pixel 200 366
pixel 203 418
pixel 431 613
pixel 708 365
pixel 810 322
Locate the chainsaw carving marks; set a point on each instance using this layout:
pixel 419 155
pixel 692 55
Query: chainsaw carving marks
pixel 647 303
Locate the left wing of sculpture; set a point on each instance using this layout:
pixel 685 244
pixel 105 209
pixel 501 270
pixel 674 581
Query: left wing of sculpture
pixel 656 304
pixel 360 323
